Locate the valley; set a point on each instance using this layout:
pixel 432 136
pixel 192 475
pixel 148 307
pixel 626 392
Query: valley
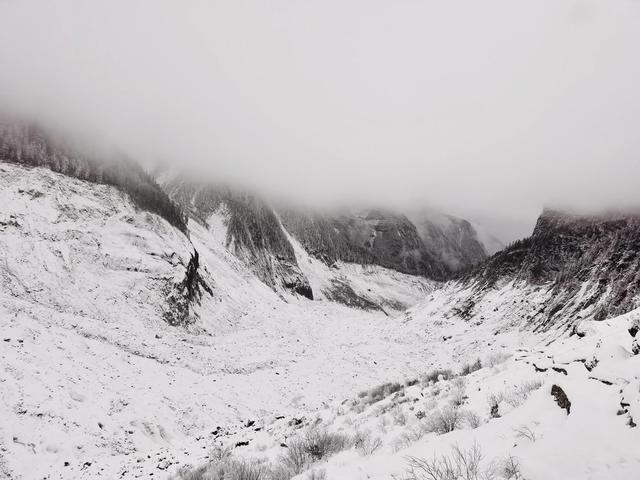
pixel 131 350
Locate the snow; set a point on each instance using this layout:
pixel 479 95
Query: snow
pixel 95 384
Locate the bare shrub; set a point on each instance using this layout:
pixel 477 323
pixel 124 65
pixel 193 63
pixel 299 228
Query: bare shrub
pixel 411 435
pixel 444 420
pixel 398 416
pixel 365 443
pixel 411 382
pixel 514 396
pixel 319 474
pixel 281 472
pixel 524 431
pixel 496 358
pixel 458 394
pixel 494 400
pixel 518 394
pixel 459 465
pixel 219 453
pixel 227 469
pixel 510 469
pixel 379 393
pixel 296 459
pixel 314 445
pixel 436 375
pixel 472 419
pixel 471 367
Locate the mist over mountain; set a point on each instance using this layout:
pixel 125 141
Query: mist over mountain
pixel 319 240
pixel 509 118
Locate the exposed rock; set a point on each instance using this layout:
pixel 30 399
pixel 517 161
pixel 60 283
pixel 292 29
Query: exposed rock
pixel 590 265
pixel 561 398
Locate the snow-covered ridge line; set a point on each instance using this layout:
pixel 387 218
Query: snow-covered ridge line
pixel 33 146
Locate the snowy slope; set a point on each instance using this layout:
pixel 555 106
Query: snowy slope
pixel 94 383
pixel 505 408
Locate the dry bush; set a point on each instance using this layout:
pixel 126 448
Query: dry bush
pixel 496 358
pixel 365 443
pixel 227 469
pixel 472 419
pixel 510 469
pixel 514 396
pixel 379 393
pixel 314 445
pixel 524 431
pixel 518 394
pixel 471 367
pixel 459 465
pixel 410 436
pixel 398 416
pixel 319 474
pixel 494 400
pixel 458 394
pixel 411 382
pixel 436 375
pixel 444 420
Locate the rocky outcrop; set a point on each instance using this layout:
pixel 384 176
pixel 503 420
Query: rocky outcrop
pixel 253 231
pixel 453 241
pixel 184 295
pixel 561 398
pixel 588 264
pixel 417 246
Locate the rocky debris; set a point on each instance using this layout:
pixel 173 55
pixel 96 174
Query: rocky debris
pixel 561 398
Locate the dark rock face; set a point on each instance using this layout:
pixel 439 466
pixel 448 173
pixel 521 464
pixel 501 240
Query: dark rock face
pixel 565 253
pixel 561 398
pixel 387 239
pixel 451 240
pixel 342 292
pixel 183 296
pixel 254 232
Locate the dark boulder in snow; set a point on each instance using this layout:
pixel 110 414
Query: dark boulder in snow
pixel 561 398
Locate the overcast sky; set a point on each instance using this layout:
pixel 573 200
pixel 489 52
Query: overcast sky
pixel 490 109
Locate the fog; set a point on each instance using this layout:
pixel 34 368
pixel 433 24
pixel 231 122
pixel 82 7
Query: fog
pixel 489 110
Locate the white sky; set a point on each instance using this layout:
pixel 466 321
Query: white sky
pixel 488 109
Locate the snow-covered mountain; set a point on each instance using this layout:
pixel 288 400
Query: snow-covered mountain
pixel 428 243
pixel 140 342
pixel 572 267
pixel 270 241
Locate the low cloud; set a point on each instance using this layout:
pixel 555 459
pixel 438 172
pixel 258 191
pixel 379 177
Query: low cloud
pixel 486 109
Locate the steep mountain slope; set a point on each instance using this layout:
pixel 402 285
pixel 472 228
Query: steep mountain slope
pixel 253 231
pixel 454 241
pixel 32 145
pixel 96 382
pixel 571 267
pixel 434 245
pixel 75 247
